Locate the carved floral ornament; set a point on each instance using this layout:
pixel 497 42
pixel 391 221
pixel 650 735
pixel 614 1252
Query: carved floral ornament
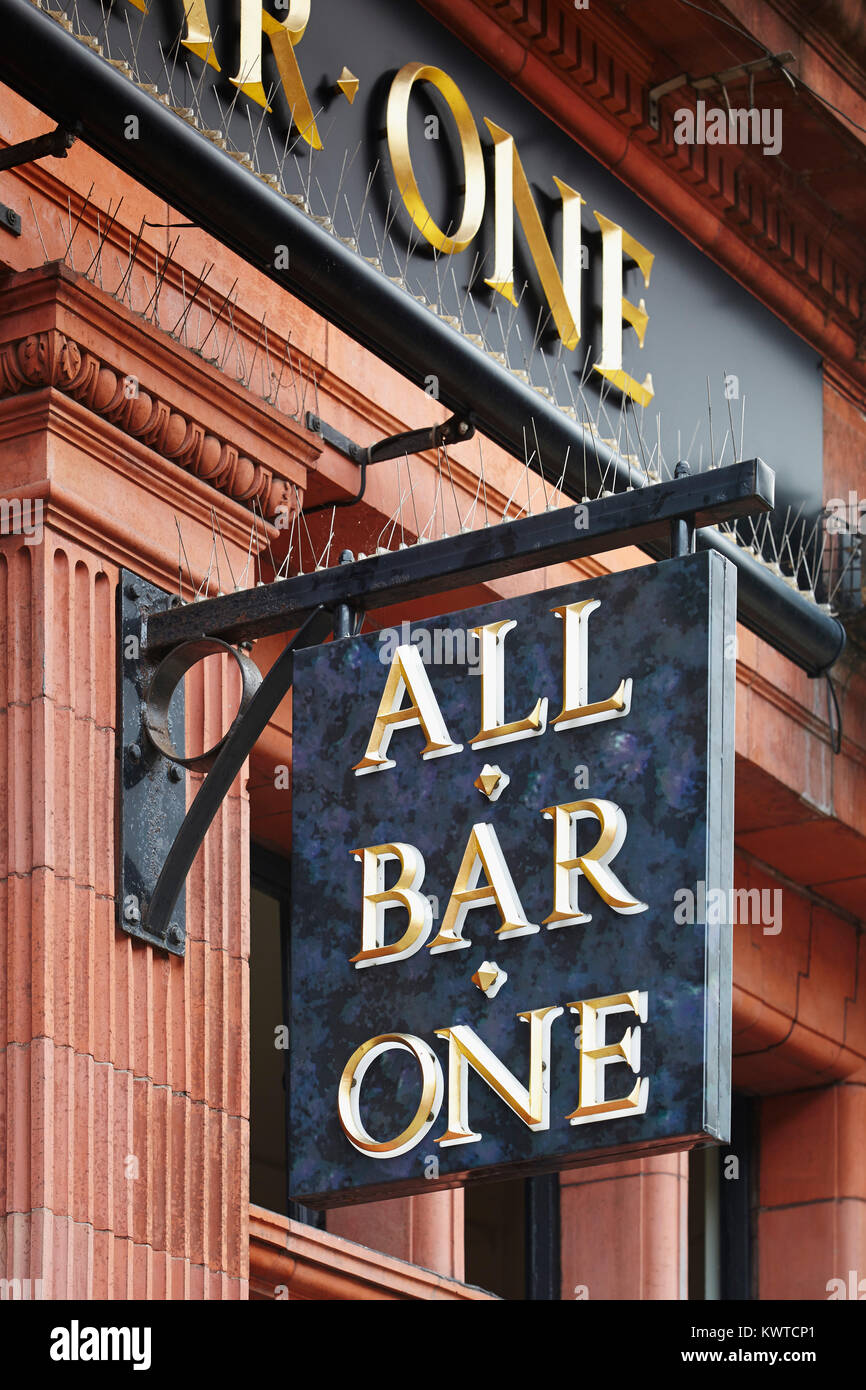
pixel 53 359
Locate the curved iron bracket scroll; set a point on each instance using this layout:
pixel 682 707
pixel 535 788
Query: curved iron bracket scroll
pixel 155 911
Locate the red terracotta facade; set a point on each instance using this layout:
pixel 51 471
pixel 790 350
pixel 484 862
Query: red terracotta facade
pixel 125 1074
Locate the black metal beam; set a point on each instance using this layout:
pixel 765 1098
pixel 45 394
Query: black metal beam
pixel 475 557
pixel 71 82
pixel 769 607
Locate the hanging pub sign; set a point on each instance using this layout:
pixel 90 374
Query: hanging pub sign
pixel 495 815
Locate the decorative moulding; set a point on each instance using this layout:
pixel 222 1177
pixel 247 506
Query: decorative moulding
pixel 588 73
pixel 291 1261
pixel 58 330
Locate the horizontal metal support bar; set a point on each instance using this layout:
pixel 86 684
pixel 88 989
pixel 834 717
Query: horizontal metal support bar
pixel 55 143
pixel 453 431
pixel 720 79
pixel 337 440
pixel 474 557
pixel 713 79
pixel 204 183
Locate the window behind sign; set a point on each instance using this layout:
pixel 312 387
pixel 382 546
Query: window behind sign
pixel 721 1203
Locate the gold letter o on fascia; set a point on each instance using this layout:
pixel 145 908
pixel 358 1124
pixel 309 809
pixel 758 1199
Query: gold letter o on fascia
pixel 432 1091
pixel 473 161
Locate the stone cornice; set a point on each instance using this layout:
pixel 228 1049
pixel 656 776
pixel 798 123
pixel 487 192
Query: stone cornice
pixel 57 330
pixel 833 28
pixel 762 225
pixel 291 1261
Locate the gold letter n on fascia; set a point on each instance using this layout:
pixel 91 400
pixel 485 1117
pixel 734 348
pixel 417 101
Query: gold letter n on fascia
pixel 512 194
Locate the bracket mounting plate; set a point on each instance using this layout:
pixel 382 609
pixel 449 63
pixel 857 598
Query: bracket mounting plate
pixel 153 790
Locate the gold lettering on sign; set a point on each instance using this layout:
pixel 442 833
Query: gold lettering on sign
pixel 530 1104
pixel 198 35
pixel 512 193
pixel 349 1096
pixel 397 129
pixel 377 898
pixel 249 73
pixel 576 709
pixel 596 1054
pixel 593 864
pixel 616 243
pixel 283 36
pixel 483 851
pixel 493 729
pixel 407 675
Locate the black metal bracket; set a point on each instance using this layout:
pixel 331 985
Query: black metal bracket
pixel 10 220
pixel 452 431
pixel 234 750
pixel 682 527
pixel 152 788
pixel 716 79
pixel 156 711
pixel 55 143
pixel 158 836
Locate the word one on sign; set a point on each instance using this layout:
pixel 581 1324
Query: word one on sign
pixel 485 967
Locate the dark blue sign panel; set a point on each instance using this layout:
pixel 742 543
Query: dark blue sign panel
pixel 496 816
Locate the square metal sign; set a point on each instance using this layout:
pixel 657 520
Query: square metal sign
pixel 512 850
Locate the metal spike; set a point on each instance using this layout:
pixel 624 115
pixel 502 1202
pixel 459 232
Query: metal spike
pixel 38 229
pixel 326 553
pixel 559 485
pixel 74 230
pixel 505 516
pixel 133 255
pixel 640 440
pixel 424 537
pixel 854 550
pixel 205 585
pixel 182 547
pixel 257 504
pixel 219 315
pixel 253 536
pixel 470 515
pixel 710 416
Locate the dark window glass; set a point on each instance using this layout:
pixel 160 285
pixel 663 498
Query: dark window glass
pixel 721 1202
pixel 495 1238
pixel 269 1016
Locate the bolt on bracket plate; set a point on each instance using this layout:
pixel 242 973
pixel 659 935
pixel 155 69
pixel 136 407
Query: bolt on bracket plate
pixel 152 790
pixel 10 220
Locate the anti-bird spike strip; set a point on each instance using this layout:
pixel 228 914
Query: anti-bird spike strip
pixel 808 553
